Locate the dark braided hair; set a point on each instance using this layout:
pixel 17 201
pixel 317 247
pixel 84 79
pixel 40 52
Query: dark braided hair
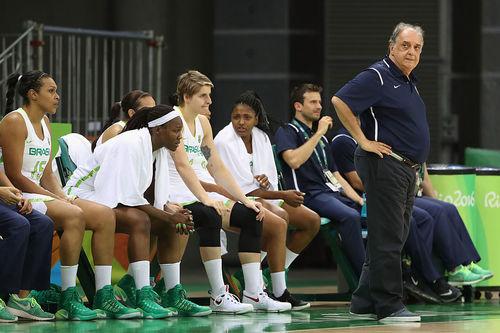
pixel 251 99
pixel 26 82
pixel 142 117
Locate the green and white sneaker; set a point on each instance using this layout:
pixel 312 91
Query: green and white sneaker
pixel 146 302
pixel 106 303
pixel 461 276
pixel 476 269
pixel 49 296
pixel 5 315
pixel 126 291
pixel 176 299
pixel 71 307
pixel 27 308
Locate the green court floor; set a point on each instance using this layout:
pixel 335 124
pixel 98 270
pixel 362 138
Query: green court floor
pixel 480 317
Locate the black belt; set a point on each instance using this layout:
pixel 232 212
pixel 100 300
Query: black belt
pixel 406 161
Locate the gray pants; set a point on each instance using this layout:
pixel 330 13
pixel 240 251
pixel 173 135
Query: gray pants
pixel 390 188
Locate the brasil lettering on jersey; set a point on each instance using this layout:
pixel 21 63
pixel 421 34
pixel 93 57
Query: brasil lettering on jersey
pixel 192 149
pixel 39 151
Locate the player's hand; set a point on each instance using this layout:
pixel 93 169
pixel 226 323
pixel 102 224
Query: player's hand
pixel 183 221
pixel 24 206
pixel 263 181
pixel 257 207
pixel 293 198
pixel 217 205
pixel 10 195
pixel 172 207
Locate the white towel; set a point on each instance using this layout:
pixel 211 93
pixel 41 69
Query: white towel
pixel 234 154
pixel 125 169
pixel 162 177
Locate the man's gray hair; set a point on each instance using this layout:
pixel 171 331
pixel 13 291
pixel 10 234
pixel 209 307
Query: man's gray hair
pixel 402 26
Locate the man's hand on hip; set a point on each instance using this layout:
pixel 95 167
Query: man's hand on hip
pixel 376 147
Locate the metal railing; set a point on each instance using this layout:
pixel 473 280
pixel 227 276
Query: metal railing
pixel 93 68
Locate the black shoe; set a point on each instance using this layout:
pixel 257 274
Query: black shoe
pixel 446 292
pixel 297 304
pixel 419 289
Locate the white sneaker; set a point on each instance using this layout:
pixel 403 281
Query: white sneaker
pixel 263 303
pixel 226 302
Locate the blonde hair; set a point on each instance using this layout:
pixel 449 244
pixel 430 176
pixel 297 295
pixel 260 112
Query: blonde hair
pixel 190 83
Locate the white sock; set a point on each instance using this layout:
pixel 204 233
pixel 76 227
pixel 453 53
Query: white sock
pixel 102 276
pixel 253 277
pixel 129 270
pixel 279 283
pixel 290 257
pixel 263 255
pixel 171 274
pixel 68 276
pixel 214 273
pixel 140 270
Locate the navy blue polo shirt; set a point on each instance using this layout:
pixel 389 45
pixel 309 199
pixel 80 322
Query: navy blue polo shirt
pixel 309 176
pixel 342 148
pixel 390 108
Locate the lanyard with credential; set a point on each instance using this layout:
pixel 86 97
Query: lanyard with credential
pixel 331 181
pixel 323 163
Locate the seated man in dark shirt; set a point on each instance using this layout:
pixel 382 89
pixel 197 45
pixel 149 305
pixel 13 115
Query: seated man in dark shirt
pixel 308 167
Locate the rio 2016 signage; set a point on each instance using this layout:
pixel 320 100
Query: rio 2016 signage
pixel 491 200
pixel 476 194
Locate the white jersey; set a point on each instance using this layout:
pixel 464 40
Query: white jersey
pixel 36 153
pixel 192 146
pixel 121 123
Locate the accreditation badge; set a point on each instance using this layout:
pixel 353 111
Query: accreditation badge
pixel 332 182
pixel 419 184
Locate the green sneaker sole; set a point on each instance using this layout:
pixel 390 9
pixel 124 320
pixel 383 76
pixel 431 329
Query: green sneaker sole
pixel 110 315
pixel 27 315
pixel 149 315
pixel 64 315
pixel 129 315
pixel 465 283
pixel 8 320
pixel 196 314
